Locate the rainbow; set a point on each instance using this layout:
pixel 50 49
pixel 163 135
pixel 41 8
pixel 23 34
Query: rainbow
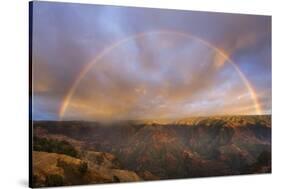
pixel 107 50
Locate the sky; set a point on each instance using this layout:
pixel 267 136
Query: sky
pixel 94 62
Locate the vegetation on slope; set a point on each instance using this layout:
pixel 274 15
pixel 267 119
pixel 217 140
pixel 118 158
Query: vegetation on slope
pixel 55 146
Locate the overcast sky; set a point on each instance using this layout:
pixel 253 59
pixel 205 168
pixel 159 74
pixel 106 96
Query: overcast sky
pixel 157 75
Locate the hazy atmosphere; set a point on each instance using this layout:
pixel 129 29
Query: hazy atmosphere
pixel 118 63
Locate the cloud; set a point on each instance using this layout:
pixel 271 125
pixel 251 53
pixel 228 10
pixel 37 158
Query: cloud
pixel 157 75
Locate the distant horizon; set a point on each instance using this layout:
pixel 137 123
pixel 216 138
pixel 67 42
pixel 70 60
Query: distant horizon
pixel 241 115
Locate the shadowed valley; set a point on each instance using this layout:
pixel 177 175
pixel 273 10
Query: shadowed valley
pixel 79 152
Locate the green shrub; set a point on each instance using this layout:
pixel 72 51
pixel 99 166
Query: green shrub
pixel 116 179
pixel 35 181
pixel 83 167
pixel 50 145
pixel 54 180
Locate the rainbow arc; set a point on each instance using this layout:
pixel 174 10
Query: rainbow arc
pixel 104 52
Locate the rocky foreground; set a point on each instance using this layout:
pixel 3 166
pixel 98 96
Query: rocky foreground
pixel 76 152
pixel 52 169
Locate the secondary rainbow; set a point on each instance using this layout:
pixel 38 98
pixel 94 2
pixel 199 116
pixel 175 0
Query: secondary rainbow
pixel 107 50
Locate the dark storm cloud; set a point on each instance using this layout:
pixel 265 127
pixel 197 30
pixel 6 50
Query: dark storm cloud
pixel 154 76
